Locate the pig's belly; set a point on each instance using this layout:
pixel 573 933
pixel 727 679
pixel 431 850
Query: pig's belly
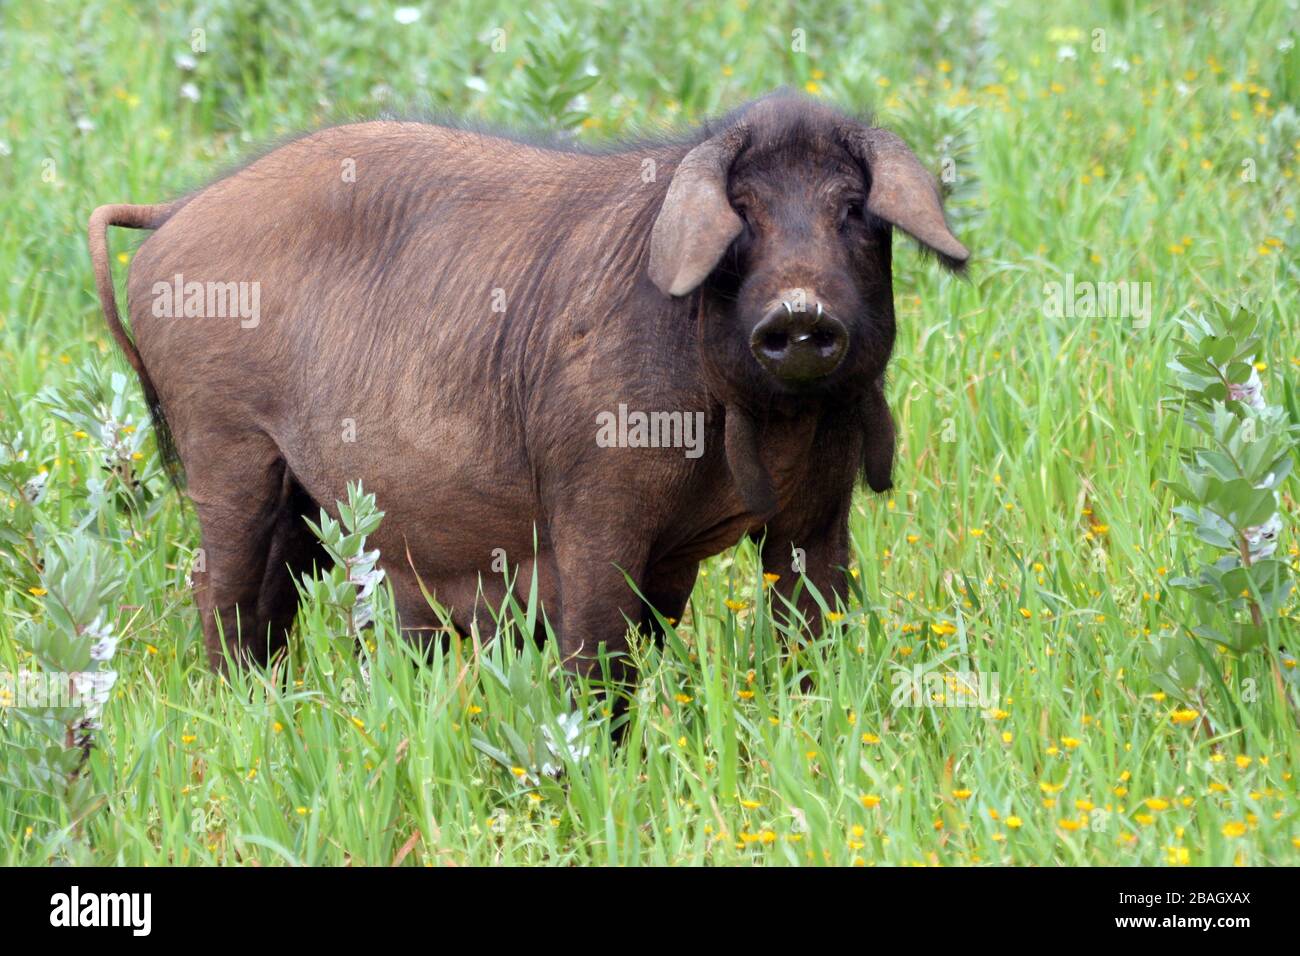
pixel 463 536
pixel 471 599
pixel 458 503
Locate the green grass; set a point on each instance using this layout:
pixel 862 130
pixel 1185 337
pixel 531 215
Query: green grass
pixel 1028 534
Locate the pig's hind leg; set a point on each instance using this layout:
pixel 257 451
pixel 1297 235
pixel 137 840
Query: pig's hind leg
pixel 293 551
pixel 667 590
pixel 254 542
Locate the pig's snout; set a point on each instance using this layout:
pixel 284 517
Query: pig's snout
pixel 799 345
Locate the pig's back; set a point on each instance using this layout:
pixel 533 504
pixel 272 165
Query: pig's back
pixel 411 279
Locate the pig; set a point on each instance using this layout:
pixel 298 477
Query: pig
pixel 478 327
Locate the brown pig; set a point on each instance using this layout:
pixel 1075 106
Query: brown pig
pixel 632 357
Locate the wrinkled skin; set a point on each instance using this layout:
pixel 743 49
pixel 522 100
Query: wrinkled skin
pixel 383 354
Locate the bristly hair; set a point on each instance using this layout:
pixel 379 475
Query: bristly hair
pixel 639 140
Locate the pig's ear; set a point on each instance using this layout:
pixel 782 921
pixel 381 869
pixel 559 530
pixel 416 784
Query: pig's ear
pixel 902 192
pixel 696 223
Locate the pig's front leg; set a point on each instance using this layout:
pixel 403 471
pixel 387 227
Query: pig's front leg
pixel 796 549
pixel 596 601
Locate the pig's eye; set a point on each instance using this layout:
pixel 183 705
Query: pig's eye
pixel 851 211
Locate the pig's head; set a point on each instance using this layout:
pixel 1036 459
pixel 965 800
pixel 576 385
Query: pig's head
pixel 783 218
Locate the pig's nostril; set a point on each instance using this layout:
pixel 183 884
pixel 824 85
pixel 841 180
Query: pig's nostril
pixel 776 342
pixel 824 338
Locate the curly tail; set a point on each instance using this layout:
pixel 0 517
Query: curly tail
pixel 132 217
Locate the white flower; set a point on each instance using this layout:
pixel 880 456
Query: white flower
pixel 103 650
pixel 5 150
pixel 362 614
pixel 1261 539
pixel 185 62
pixel 34 490
pixel 85 124
pixel 92 689
pixel 1066 52
pixel 1250 392
pixel 1119 65
pixel 190 92
pixel 476 83
pixel 105 641
pixel 363 574
pixel 572 727
pixel 406 15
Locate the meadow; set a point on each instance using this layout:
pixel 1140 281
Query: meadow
pixel 1024 556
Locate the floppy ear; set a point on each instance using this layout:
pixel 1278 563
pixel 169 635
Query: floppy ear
pixel 696 223
pixel 902 191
